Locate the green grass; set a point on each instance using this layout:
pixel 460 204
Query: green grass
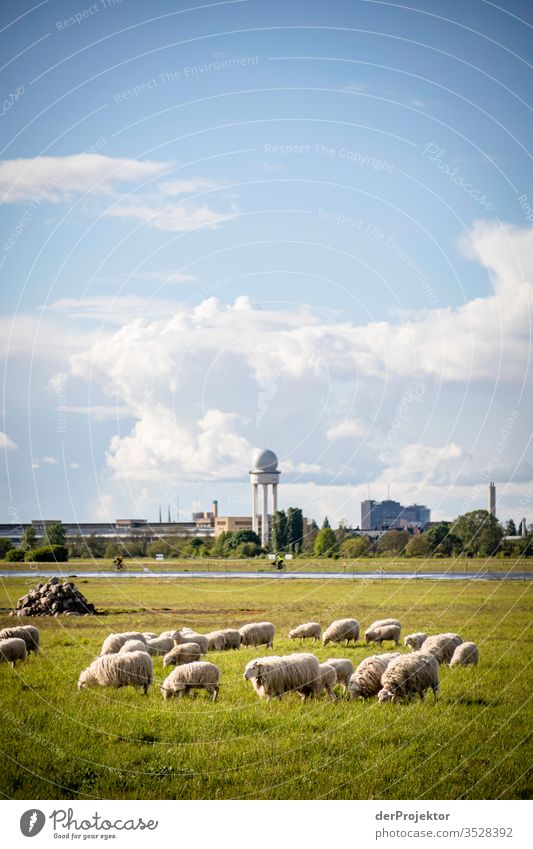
pixel 260 564
pixel 103 743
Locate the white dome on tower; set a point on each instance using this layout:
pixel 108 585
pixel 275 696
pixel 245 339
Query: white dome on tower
pixel 265 461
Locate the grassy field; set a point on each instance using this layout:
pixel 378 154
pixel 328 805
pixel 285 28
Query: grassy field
pixel 259 564
pixel 58 743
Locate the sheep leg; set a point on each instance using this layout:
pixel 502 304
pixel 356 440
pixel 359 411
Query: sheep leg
pixel 435 691
pixel 331 694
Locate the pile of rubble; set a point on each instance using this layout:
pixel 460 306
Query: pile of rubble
pixel 53 599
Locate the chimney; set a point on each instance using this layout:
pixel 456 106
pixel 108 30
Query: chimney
pixel 215 509
pixel 492 499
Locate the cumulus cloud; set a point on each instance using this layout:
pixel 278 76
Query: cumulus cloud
pixel 196 379
pixel 6 443
pixel 345 428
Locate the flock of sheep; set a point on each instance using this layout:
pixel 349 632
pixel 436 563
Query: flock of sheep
pixel 127 660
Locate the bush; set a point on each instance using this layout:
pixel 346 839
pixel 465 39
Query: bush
pixel 5 546
pixel 48 554
pixel 15 555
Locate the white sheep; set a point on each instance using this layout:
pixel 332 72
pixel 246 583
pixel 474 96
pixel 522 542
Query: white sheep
pixel 232 637
pixel 366 680
pixel 150 635
pixel 409 675
pixel 12 650
pixel 160 646
pixel 183 653
pixel 258 634
pixel 380 633
pixel 132 645
pixel 414 641
pixel 199 675
pixel 309 630
pixel 465 654
pixel 216 641
pixel 28 633
pixel 441 646
pixel 186 635
pixel 327 679
pixel 275 676
pixel 133 669
pixel 114 642
pixel 380 623
pixel 343 668
pixel 341 630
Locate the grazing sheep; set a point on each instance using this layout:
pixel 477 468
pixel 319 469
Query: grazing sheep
pixel 341 629
pixel 327 680
pixel 199 675
pixel 183 653
pixel 12 650
pixel 133 669
pixel 380 623
pixel 366 680
pixel 275 676
pixel 414 641
pixel 343 668
pixel 233 638
pixel 160 645
pixel 309 630
pixel 441 646
pixel 28 633
pixel 149 635
pixel 132 645
pixel 383 632
pixel 408 675
pixel 258 634
pixel 216 641
pixel 185 635
pixel 114 642
pixel 465 655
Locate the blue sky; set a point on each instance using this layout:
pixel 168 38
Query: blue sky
pixel 305 226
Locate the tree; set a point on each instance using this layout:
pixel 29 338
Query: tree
pixel 229 541
pixel 310 536
pixel 295 529
pixel 325 523
pixel 325 543
pixel 5 546
pixel 442 540
pixel 418 546
pixel 510 529
pixel 393 542
pixel 479 532
pixel 29 538
pixel 355 547
pixel 279 531
pixel 55 534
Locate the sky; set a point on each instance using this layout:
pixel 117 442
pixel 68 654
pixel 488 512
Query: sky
pixel 238 225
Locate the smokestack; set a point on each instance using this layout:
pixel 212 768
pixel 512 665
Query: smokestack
pixel 492 499
pixel 215 509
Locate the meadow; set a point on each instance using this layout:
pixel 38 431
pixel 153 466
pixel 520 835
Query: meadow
pixel 475 743
pixel 304 564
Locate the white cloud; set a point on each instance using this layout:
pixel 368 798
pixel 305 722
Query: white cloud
pixel 50 461
pixel 345 428
pixel 101 412
pixel 56 178
pixel 115 310
pixel 194 379
pixel 175 218
pixel 188 187
pixel 417 104
pixel 6 443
